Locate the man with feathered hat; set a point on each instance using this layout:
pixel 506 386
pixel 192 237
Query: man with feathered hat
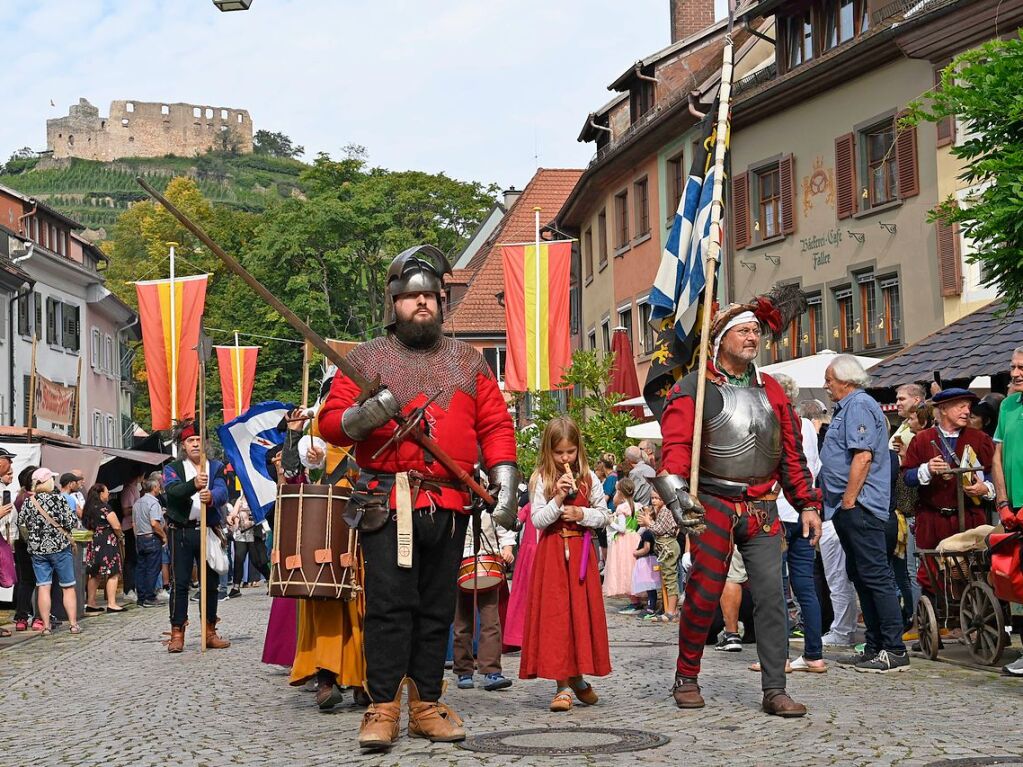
pixel 751 449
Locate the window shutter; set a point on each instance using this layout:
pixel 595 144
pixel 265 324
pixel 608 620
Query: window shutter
pixel 786 174
pixel 905 159
pixel 946 126
pixel 740 210
pixel 950 271
pixel 845 175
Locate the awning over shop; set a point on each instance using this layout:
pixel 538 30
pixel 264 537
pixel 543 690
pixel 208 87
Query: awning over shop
pixel 979 344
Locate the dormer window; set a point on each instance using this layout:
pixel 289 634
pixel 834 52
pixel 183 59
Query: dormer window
pixel 641 99
pixel 818 27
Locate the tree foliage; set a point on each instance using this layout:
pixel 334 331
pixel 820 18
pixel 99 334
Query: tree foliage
pixel 981 89
pixel 602 426
pixel 324 253
pixel 275 144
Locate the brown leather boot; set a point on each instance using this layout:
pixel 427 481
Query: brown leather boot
pixel 213 640
pixel 177 639
pixel 778 703
pixel 379 729
pixel 432 719
pixel 686 692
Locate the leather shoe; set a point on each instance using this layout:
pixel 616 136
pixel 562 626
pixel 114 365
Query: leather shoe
pixel 379 727
pixel 778 703
pixel 686 692
pixel 432 719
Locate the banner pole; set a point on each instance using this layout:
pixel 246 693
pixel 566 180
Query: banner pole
pixel 237 373
pixel 202 511
pixel 536 255
pixel 306 360
pixel 713 255
pixel 32 389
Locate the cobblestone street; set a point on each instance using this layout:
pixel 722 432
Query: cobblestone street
pixel 114 697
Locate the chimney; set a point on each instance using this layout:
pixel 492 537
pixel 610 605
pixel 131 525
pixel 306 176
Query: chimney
pixel 688 17
pixel 511 194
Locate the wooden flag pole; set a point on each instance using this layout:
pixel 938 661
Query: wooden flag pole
pixel 32 389
pixel 713 256
pixel 306 360
pixel 173 341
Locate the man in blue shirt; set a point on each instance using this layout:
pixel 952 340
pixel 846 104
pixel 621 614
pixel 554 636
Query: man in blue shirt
pixel 856 480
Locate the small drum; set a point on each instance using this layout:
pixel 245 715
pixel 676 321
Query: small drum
pixel 489 573
pixel 313 554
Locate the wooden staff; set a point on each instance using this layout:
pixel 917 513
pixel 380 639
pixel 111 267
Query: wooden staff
pixel 203 353
pixel 306 358
pixel 713 256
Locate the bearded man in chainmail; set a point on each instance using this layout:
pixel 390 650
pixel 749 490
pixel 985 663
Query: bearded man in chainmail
pixel 411 512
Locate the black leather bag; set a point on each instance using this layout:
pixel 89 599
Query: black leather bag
pixel 369 508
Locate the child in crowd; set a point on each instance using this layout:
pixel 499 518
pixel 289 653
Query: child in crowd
pixel 623 539
pixel 566 629
pixel 661 522
pixel 645 579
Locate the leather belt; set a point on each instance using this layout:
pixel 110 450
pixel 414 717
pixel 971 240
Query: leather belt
pixel 943 511
pixel 564 533
pixel 736 491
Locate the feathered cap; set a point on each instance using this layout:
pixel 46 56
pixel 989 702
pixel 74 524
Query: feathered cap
pixel 774 311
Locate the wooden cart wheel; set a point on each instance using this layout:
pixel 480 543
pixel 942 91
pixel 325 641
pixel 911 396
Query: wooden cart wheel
pixel 982 620
pixel 927 626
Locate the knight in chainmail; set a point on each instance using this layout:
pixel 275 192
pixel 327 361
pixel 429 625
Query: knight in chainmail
pixel 411 512
pixel 751 448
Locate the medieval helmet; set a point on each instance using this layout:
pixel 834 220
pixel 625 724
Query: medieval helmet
pixel 417 270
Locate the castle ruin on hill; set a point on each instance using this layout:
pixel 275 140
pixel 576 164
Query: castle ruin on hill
pixel 145 129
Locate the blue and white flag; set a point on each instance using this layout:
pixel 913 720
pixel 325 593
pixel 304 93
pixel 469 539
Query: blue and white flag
pixel 677 297
pixel 247 440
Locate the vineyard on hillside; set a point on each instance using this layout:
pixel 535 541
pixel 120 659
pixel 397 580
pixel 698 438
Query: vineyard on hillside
pixel 96 193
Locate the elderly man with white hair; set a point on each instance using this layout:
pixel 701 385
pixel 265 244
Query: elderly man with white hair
pixel 856 479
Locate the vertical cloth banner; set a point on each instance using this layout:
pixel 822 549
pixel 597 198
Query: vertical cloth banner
pixel 678 298
pixel 237 376
pixel 169 341
pixel 536 305
pixel 247 440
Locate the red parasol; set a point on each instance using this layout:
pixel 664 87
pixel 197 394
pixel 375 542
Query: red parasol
pixel 623 372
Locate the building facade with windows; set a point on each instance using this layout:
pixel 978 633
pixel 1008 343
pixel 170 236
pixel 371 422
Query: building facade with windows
pixel 55 321
pixel 831 191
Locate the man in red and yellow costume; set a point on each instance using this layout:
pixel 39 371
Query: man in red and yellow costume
pixel 412 513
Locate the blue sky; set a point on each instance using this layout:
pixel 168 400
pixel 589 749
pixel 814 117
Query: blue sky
pixel 483 90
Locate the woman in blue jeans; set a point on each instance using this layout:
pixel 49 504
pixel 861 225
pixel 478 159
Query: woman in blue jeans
pixel 800 554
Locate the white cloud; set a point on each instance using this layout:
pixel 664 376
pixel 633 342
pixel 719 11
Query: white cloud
pixel 468 87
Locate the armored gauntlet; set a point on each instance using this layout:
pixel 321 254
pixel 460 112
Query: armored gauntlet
pixel 686 509
pixel 504 486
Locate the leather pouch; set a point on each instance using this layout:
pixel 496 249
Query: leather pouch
pixel 369 508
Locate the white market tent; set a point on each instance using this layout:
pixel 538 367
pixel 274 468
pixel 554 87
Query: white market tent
pixel 648 430
pixel 808 372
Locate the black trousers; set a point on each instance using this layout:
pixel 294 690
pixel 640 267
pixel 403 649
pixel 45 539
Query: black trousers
pixel 26 584
pixel 130 561
pixel 257 563
pixel 409 610
pixel 184 554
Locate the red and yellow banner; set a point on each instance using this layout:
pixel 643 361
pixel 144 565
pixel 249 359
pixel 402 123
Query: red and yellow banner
pixel 170 333
pixel 536 304
pixel 237 375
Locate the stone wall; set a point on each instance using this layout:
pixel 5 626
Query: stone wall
pixel 144 129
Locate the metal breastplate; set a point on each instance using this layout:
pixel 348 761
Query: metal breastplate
pixel 743 441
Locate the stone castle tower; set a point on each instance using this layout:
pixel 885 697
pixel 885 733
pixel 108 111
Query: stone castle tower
pixel 143 129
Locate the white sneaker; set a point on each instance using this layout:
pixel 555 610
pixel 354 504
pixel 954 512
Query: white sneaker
pixel 1015 668
pixel 834 640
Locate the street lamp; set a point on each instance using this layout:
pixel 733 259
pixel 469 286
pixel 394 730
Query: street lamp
pixel 233 5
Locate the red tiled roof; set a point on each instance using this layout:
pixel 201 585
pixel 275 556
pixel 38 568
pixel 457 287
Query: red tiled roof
pixel 479 311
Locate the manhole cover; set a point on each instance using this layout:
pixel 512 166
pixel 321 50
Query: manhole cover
pixel 568 741
pixel 981 761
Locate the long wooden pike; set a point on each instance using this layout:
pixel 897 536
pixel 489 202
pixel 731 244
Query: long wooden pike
pixel 204 350
pixel 367 387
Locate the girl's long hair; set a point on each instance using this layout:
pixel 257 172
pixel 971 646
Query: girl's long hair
pixel 558 429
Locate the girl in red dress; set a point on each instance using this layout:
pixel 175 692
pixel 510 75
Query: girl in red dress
pixel 566 628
